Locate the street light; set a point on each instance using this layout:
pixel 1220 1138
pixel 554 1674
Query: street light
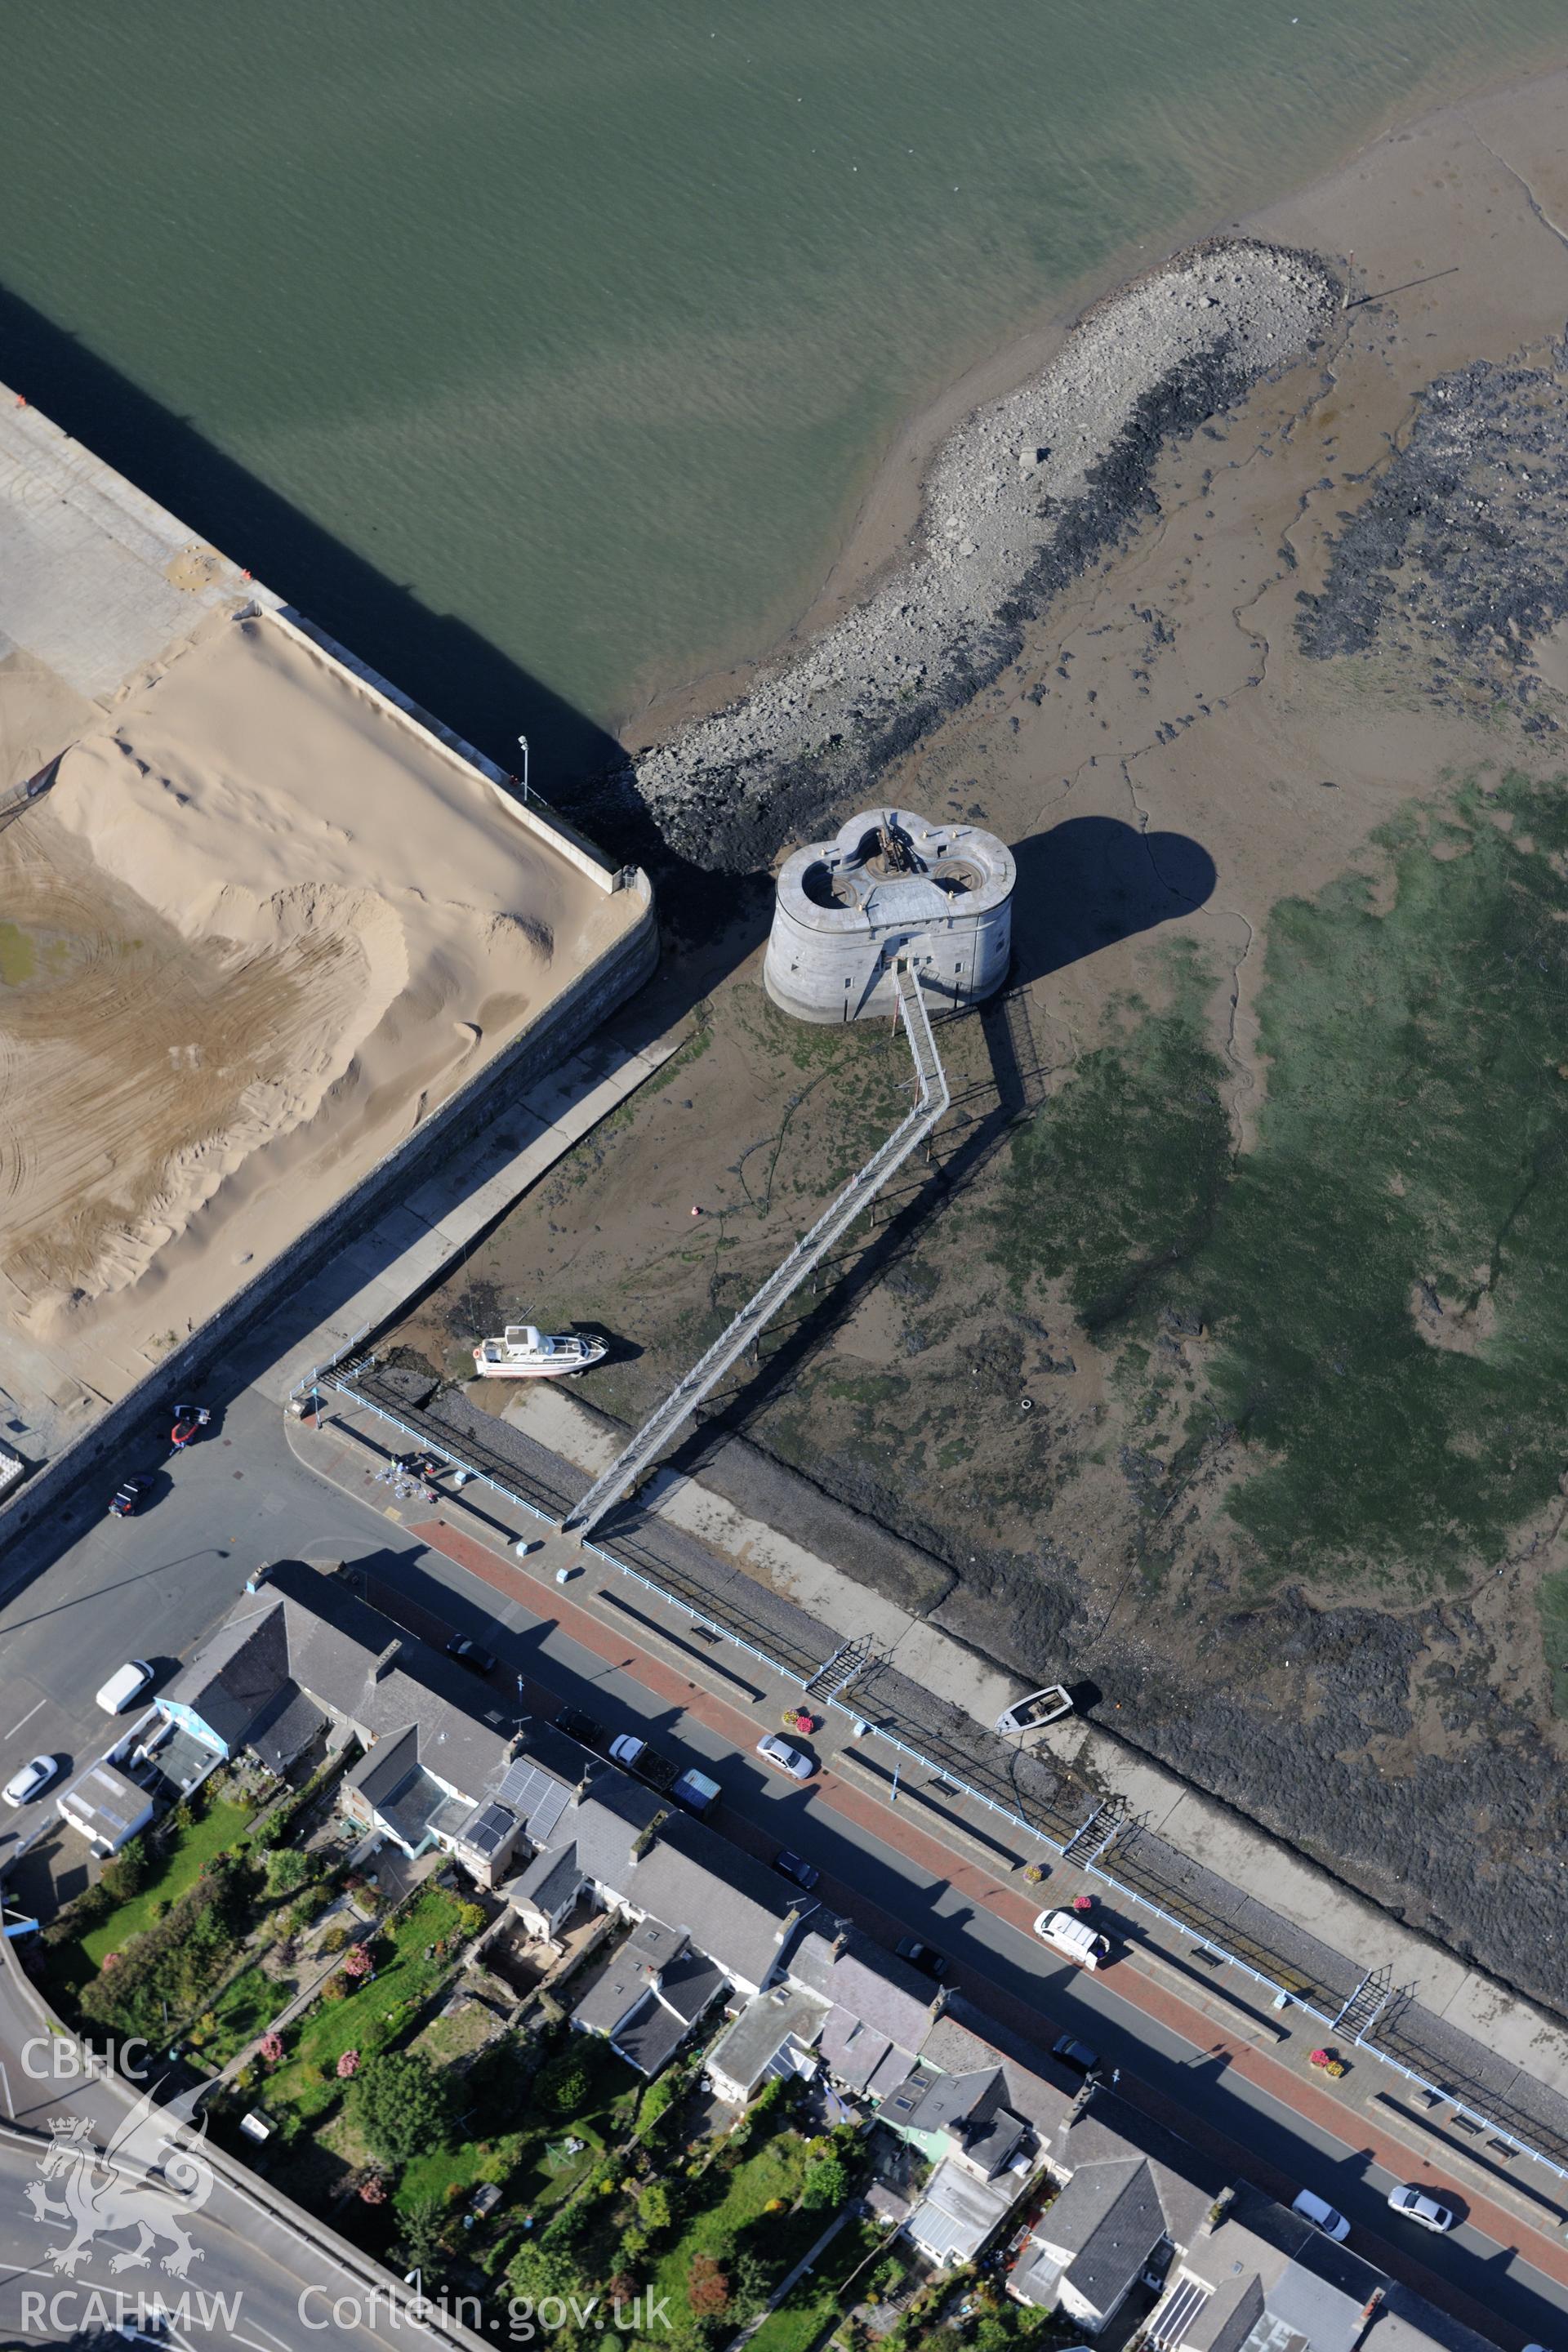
pixel 523 746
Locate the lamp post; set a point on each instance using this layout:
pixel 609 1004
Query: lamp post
pixel 522 747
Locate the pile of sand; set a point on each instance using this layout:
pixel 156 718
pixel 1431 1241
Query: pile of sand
pixel 259 927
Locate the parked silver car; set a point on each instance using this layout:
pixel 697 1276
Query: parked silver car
pixel 1417 2205
pixel 784 1758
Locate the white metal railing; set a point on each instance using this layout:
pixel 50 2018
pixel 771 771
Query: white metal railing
pixel 932 1098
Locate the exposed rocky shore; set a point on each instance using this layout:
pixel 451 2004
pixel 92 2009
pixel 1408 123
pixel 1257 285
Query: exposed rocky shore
pixel 1023 497
pixel 1461 544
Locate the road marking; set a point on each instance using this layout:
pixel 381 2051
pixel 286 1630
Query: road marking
pixel 32 1711
pixel 389 1512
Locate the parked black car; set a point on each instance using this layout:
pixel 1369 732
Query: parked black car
pixel 920 1956
pixel 129 1498
pixel 581 1728
pixel 792 1865
pixel 468 1654
pixel 1077 2055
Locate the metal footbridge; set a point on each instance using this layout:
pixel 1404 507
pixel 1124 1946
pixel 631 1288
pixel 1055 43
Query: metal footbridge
pixel 932 1098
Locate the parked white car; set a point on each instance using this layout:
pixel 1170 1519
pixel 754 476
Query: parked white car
pixel 126 1682
pixel 784 1758
pixel 1322 2215
pixel 1417 2205
pixel 31 1780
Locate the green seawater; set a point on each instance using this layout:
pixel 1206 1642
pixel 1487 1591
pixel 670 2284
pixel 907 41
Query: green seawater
pixel 584 322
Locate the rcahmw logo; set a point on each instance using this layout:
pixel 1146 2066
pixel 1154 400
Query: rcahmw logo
pixel 152 2180
pixel 78 2315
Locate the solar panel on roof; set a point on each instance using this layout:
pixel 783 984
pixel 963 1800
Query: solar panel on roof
pixel 489 1829
pixel 535 1796
pixel 1180 2312
pixel 548 1811
pixel 522 1784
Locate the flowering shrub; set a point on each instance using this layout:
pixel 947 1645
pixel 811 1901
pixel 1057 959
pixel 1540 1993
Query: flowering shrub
pixel 270 2047
pixel 348 2065
pixel 110 1961
pixel 357 1964
pixel 373 2188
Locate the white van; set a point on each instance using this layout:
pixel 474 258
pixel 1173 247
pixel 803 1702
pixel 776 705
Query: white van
pixel 1074 1938
pixel 126 1682
pixel 1322 2215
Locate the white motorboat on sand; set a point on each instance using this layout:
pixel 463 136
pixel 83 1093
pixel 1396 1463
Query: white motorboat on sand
pixel 523 1353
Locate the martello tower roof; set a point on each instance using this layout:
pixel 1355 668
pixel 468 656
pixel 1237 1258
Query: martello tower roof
pixel 889 886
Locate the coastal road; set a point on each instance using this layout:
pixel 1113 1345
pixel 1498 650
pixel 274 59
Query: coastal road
pixel 153 1586
pixel 892 1877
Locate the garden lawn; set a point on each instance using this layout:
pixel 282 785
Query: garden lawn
pixel 440 2170
pixel 242 2010
pixel 602 2119
pixel 373 2016
pixel 811 2306
pixel 777 2170
pixel 184 1856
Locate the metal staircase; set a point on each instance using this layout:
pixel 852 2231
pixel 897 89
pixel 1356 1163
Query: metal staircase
pixel 1365 2005
pixel 847 1665
pixel 1092 1836
pixel 931 1099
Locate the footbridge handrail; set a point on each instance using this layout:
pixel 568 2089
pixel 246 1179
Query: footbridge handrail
pixel 931 1099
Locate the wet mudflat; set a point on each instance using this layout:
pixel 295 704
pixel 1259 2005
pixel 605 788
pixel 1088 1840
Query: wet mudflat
pixel 1217 1359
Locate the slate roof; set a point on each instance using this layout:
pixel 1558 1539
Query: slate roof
pixel 1407 2322
pixel 653 1945
pixel 286 1727
pixel 1228 2317
pixel 957 2098
pixel 691 1985
pixel 870 1984
pixel 611 1995
pixel 385 1767
pixel 548 1880
pixel 1109 2220
pixel 307 1633
pixel 647 1998
pixel 650 2037
pixel 890 2074
pixel 854 2052
pixel 1106 2129
pixel 1273 2283
pixel 964 2039
pixel 606 1824
pixel 733 1909
pixel 234 1676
